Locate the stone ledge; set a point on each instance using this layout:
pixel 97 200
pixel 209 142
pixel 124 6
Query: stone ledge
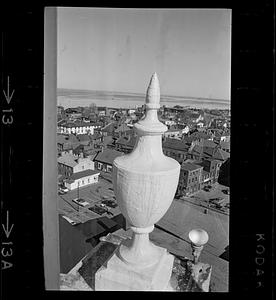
pixel 83 276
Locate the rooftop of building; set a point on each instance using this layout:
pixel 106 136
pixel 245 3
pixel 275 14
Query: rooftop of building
pixel 128 140
pixel 109 127
pixel 175 144
pixel 107 156
pixel 68 160
pixel 82 174
pixel 221 155
pixel 123 127
pixel 77 124
pixel 83 137
pixel 190 166
pixel 225 145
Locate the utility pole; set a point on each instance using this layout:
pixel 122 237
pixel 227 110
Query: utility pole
pixel 78 195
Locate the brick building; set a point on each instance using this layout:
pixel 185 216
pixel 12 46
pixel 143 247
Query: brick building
pixel 176 149
pixel 189 179
pixel 104 160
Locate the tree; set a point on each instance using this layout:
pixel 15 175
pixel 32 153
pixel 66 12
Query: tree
pixel 224 173
pixel 93 107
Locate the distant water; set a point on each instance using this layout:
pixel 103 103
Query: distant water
pixel 74 98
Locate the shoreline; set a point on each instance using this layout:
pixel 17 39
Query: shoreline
pixel 69 101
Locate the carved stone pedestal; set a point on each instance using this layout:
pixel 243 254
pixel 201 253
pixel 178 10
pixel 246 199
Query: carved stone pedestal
pixel 121 276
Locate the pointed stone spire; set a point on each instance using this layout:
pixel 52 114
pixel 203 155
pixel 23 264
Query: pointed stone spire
pixel 153 91
pixel 150 123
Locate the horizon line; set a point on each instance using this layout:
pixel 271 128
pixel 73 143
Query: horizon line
pixel 136 93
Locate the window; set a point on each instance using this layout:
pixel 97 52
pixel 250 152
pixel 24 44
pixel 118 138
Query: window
pixel 82 181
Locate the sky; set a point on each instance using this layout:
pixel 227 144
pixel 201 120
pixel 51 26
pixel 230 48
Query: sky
pixel 119 50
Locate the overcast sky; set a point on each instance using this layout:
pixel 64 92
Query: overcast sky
pixel 119 49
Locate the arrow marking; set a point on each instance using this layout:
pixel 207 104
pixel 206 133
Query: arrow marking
pixel 7 229
pixel 7 95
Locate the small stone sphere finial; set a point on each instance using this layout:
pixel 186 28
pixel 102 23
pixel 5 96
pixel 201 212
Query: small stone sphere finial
pixel 153 92
pixel 198 237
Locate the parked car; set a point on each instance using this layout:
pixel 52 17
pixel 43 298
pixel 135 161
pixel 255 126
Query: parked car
pixel 64 189
pixel 81 202
pixel 97 209
pixel 60 191
pixel 70 221
pixel 110 203
pixel 226 191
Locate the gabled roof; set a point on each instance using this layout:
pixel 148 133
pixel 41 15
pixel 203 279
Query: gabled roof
pixel 107 140
pixel 85 143
pixel 61 139
pixel 128 141
pixel 122 140
pixel 221 155
pixel 132 141
pixel 72 139
pixel 225 145
pixel 175 144
pixel 95 136
pixel 68 160
pixel 61 122
pixel 107 156
pixel 77 124
pixel 197 150
pixel 173 129
pixel 208 143
pixel 190 166
pixel 209 152
pixel 122 128
pixel 82 174
pixel 109 127
pixel 83 137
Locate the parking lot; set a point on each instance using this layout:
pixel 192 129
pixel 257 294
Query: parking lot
pixel 215 198
pixel 97 200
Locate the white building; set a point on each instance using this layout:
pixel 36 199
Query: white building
pixel 81 179
pixel 69 164
pixel 77 128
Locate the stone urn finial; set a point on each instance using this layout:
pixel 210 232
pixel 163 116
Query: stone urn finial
pixel 145 183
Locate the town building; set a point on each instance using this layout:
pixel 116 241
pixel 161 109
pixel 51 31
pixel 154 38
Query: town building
pixel 104 160
pixel 125 143
pixel 225 146
pixel 76 128
pixel 69 164
pixel 122 130
pixel 173 132
pixel 189 179
pixel 202 149
pixel 221 155
pixel 66 143
pixel 108 130
pixel 81 179
pixel 211 166
pixel 176 149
